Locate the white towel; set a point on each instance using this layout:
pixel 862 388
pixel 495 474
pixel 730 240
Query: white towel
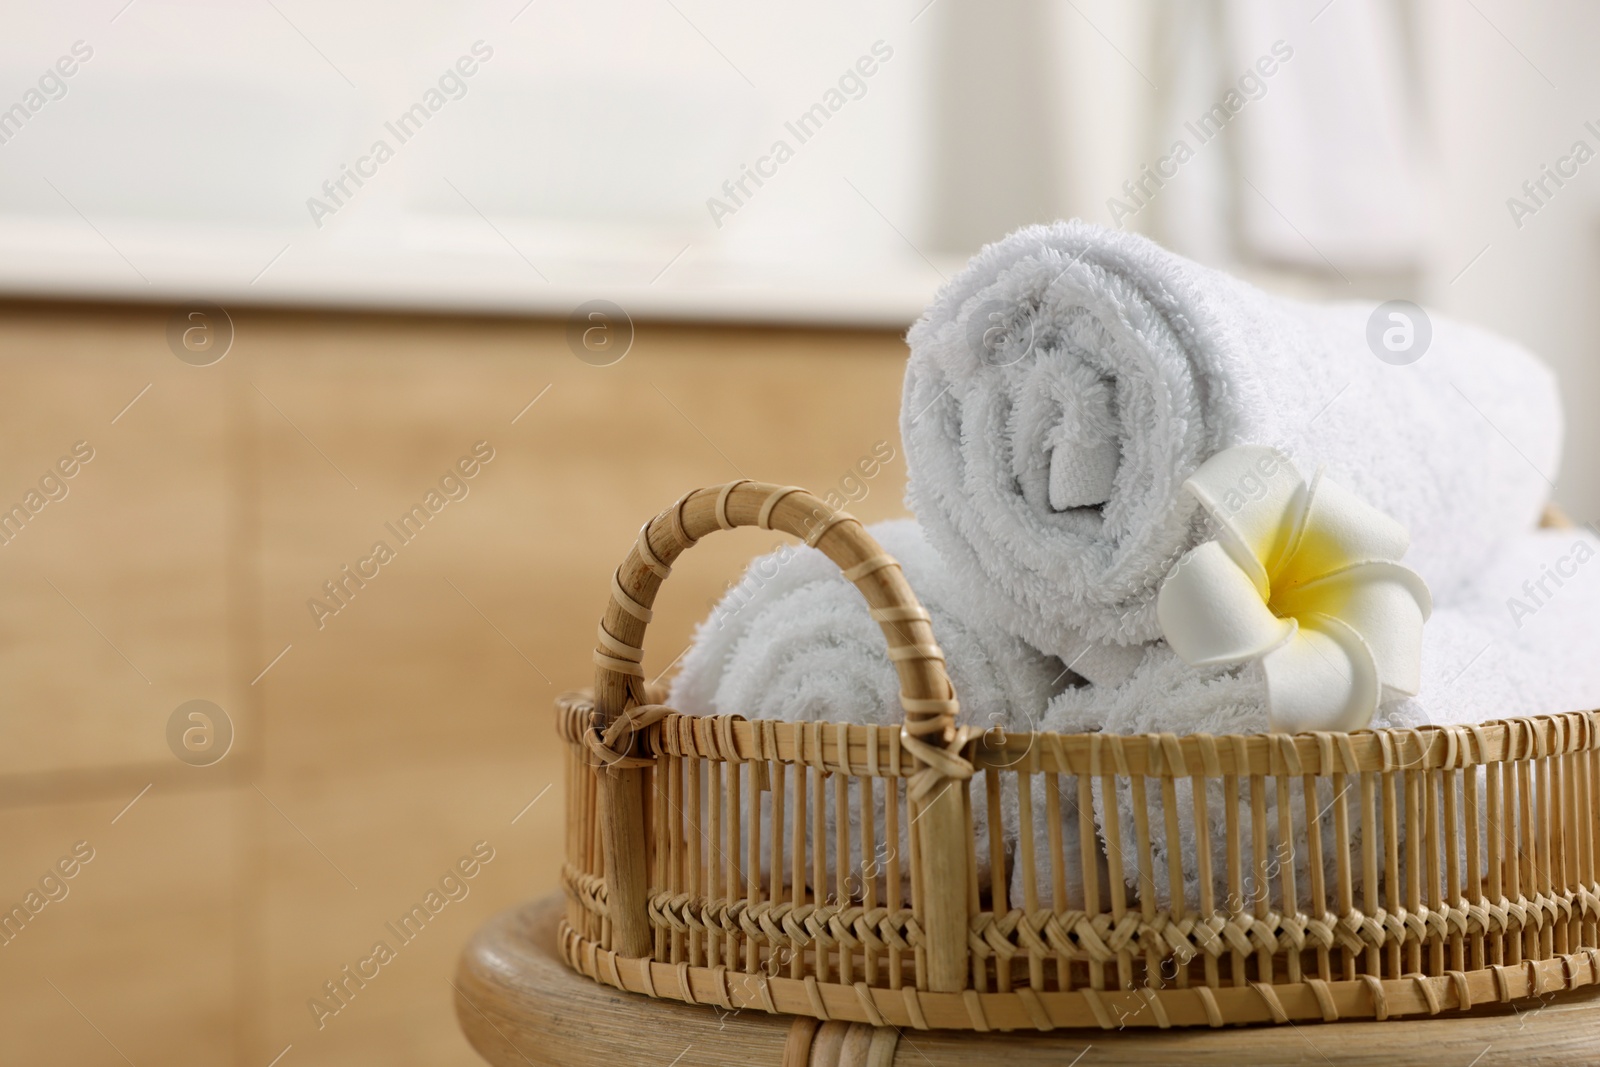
pixel 1066 383
pixel 794 641
pixel 1522 640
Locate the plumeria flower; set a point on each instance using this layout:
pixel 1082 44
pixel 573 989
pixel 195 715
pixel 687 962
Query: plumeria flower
pixel 1303 578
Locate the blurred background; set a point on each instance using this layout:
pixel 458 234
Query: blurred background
pixel 278 267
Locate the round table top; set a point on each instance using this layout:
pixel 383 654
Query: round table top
pixel 520 1006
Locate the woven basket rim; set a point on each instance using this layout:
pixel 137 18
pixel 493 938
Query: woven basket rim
pixel 1433 746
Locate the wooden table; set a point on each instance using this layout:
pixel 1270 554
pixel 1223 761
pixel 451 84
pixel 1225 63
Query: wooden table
pixel 520 1006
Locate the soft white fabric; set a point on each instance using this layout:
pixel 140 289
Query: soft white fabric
pixel 1332 140
pixel 1064 343
pixel 1521 641
pixel 794 641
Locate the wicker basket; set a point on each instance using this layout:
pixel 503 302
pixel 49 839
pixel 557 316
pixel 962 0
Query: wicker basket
pixel 1488 894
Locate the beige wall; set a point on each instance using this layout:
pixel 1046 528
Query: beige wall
pixel 379 749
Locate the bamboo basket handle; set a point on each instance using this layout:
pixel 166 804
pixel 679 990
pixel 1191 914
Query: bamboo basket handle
pixel 622 705
pixel 929 734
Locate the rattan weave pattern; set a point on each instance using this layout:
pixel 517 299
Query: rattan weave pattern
pixel 761 865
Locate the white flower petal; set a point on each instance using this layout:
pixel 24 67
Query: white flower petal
pixel 1323 679
pixel 1256 495
pixel 1340 528
pixel 1211 613
pixel 1383 602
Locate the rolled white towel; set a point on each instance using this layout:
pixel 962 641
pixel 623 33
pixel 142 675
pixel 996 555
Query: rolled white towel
pixel 1523 640
pixel 1066 383
pixel 794 641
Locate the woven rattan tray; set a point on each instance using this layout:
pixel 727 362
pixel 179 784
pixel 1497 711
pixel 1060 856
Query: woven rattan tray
pixel 706 861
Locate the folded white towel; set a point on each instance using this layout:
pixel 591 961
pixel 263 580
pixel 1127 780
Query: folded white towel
pixel 1066 383
pixel 1522 640
pixel 794 641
